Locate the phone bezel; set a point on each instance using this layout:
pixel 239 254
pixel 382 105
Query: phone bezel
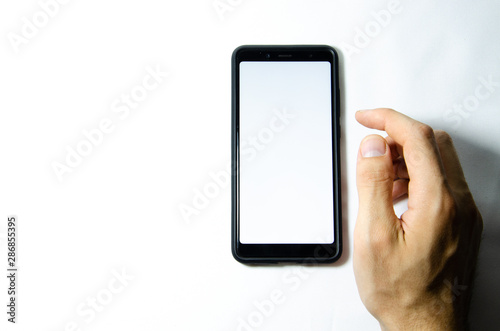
pixel 294 253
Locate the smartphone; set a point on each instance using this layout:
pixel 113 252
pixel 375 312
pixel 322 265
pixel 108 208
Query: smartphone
pixel 285 154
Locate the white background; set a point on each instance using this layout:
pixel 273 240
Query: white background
pixel 119 209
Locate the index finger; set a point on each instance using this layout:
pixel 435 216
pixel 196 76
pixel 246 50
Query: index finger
pixel 419 146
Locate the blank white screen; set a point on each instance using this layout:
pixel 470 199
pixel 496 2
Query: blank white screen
pixel 286 180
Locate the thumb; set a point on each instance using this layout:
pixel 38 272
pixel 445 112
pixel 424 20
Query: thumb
pixel 374 179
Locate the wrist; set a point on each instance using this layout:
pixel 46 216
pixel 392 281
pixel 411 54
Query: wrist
pixel 435 314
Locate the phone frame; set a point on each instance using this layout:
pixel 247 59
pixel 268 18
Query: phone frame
pixel 287 253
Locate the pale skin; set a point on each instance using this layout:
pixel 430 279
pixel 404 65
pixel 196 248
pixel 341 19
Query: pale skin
pixel 413 272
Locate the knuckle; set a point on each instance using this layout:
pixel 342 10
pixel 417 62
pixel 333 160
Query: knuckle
pixel 377 176
pixel 443 137
pixel 444 140
pixel 460 207
pixel 424 130
pixel 374 173
pixel 449 206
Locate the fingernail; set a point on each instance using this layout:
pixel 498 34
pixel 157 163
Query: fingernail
pixel 373 146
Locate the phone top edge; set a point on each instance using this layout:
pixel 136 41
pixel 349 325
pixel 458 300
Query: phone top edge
pixel 252 49
pixel 284 46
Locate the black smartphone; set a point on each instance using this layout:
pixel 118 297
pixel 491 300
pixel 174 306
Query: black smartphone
pixel 285 154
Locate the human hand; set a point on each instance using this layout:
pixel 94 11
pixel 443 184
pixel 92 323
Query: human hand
pixel 413 272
